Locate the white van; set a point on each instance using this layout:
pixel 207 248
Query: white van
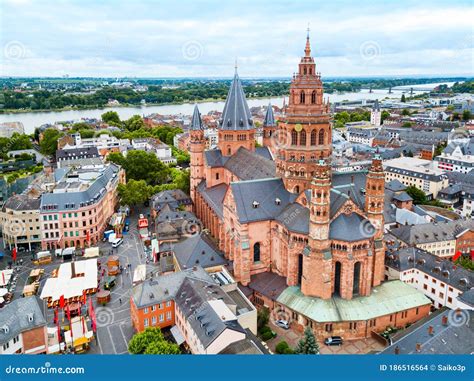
pixel 117 242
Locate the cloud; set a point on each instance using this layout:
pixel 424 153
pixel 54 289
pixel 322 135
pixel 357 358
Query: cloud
pixel 149 38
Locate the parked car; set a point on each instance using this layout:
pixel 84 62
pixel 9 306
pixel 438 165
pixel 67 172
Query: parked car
pixel 333 340
pixel 117 242
pixel 282 324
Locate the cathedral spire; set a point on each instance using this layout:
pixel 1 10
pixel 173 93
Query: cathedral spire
pixel 196 122
pixel 269 120
pixel 307 49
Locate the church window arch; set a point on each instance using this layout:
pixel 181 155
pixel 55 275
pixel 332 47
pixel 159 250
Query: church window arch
pixel 302 97
pixel 294 137
pixel 321 137
pixel 313 97
pixel 256 252
pixel 313 137
pixel 303 138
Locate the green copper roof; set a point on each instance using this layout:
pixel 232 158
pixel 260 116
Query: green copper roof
pixel 388 298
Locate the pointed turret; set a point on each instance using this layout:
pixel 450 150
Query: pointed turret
pixel 236 114
pixel 236 128
pixel 269 120
pixel 196 122
pixel 269 127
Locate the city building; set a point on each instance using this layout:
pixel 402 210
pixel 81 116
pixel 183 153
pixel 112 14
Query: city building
pixel 457 157
pixel 290 217
pixel 20 222
pixel 7 129
pixel 364 134
pixel 416 172
pixel 76 212
pixel 438 238
pixel 444 332
pixel 206 312
pixel 23 327
pixel 376 114
pixel 439 279
pixel 105 143
pixel 65 155
pixel 162 151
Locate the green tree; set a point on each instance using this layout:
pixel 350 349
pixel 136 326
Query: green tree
pixel 385 115
pixel 135 123
pixel 466 115
pixel 112 118
pixel 151 341
pixel 49 143
pixel 20 141
pixel 418 196
pixel 403 98
pixel 263 316
pixel 282 348
pixel 406 112
pixel 117 158
pixel 134 192
pixel 308 344
pixel 141 165
pixel 439 149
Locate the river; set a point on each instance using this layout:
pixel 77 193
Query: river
pixel 31 120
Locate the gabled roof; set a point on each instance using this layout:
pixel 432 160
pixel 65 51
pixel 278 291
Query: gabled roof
pixel 197 250
pixel 214 196
pixel 196 122
pixel 236 114
pixel 269 120
pixel 19 316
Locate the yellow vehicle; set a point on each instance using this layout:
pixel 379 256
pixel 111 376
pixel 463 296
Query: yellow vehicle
pixel 42 257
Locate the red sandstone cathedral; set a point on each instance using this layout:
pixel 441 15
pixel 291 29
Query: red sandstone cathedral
pixel 284 217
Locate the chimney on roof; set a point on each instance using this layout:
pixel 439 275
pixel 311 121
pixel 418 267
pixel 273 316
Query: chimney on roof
pixel 397 350
pixel 418 347
pixel 430 330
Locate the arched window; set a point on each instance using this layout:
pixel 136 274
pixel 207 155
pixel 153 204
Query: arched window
pixel 302 97
pixel 256 252
pixel 228 151
pixel 303 138
pixel 337 278
pixel 304 71
pixel 297 189
pixel 313 97
pixel 313 137
pixel 321 137
pixel 294 138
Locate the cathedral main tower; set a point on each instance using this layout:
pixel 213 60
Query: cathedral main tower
pixel 304 132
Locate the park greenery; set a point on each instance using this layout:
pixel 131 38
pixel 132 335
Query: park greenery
pixel 152 342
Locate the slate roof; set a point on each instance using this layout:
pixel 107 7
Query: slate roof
pixel 376 106
pixel 295 218
pixel 247 165
pixel 236 114
pixel 269 120
pixel 402 196
pixel 214 158
pixel 16 317
pixel 395 186
pixel 264 152
pixel 467 148
pixel 197 250
pixel 442 269
pixel 431 232
pixel 265 192
pixel 467 297
pixel 77 153
pixel 193 299
pixel 164 288
pixel 446 339
pixel 22 202
pixel 214 196
pixel 196 122
pixel 72 200
pixel 351 228
pixel 268 284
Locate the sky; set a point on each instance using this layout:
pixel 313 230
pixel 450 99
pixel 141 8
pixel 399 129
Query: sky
pixel 184 38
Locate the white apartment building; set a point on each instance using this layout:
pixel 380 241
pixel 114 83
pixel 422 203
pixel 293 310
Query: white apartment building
pixel 412 171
